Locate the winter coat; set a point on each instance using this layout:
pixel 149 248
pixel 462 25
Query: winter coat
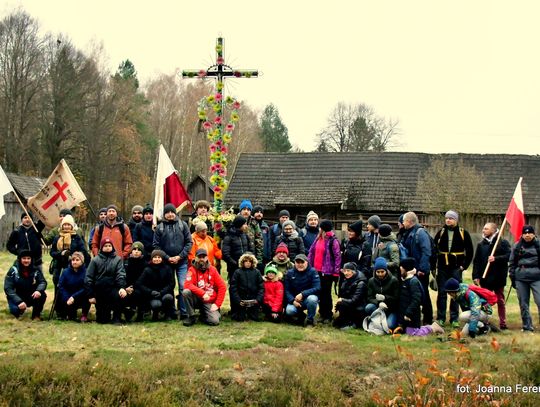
pixel 306 282
pixel 524 261
pixel 294 243
pixel 267 243
pixel 468 300
pixel 309 235
pixel 71 284
pixel 353 291
pixel 331 257
pixel 418 244
pixel 247 284
pixel 273 294
pixel 498 270
pixel 389 287
pixel 25 238
pixel 410 299
pixel 132 225
pixel 282 266
pixel 134 269
pixel 461 253
pixel 144 233
pixel 255 237
pixel 235 244
pixel 105 272
pixel 389 251
pixel 208 281
pixel 19 287
pixel 173 237
pixel 156 277
pixel 357 251
pixel 208 243
pixel 77 245
pixel 121 241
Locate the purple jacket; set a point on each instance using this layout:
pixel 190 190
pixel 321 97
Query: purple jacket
pixel 331 257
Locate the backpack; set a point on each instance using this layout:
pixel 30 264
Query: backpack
pixel 403 252
pixel 488 295
pixel 376 323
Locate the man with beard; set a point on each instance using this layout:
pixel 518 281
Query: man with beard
pixel 25 237
pixel 144 231
pixel 136 217
pixel 115 229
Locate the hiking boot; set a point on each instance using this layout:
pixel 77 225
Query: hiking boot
pixel 189 321
pixel 455 325
pixel 155 316
pixel 503 328
pixel 309 322
pixel 484 330
pixel 437 329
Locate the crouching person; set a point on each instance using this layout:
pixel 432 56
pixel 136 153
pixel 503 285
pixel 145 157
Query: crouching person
pixel 302 287
pixel 72 294
pixel 383 292
pixel 204 289
pixel 25 286
pixel 352 299
pixel 105 283
pixel 273 294
pixel 246 289
pixel 157 286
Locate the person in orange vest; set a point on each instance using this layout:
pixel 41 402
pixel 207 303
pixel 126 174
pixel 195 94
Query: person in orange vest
pixel 201 240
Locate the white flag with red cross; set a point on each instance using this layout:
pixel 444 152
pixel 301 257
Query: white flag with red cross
pixel 61 191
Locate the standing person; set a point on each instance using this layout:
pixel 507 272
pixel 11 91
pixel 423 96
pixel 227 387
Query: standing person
pixel 105 283
pixel 201 214
pixel 525 273
pixel 54 232
pixel 204 289
pixel 325 256
pixel 383 288
pixel 302 287
pixel 282 260
pixel 253 230
pixel 144 231
pixel 418 244
pixel 265 231
pixel 156 285
pixel 71 290
pixel 25 286
pixel 289 236
pixel 455 254
pixel 115 229
pixel 202 240
pixel 275 230
pixel 246 289
pixel 235 244
pixel 372 235
pixel 311 230
pixel 134 266
pixel 388 249
pixel 102 215
pixel 172 237
pixel 401 229
pixel 498 267
pixel 136 217
pixel 25 237
pixel 356 249
pixel 352 299
pixel 273 294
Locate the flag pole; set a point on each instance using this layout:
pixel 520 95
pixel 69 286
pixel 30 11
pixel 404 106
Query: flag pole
pixel 495 247
pixel 31 220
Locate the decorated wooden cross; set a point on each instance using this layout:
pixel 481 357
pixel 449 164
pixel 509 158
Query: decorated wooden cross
pixel 219 132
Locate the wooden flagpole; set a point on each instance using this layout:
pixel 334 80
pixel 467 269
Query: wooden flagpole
pixel 495 247
pixel 31 220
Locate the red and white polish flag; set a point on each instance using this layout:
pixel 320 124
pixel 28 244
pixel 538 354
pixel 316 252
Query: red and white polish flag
pixel 5 188
pixel 515 215
pixel 169 188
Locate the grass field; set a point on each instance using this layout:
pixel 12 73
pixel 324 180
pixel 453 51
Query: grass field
pixel 64 363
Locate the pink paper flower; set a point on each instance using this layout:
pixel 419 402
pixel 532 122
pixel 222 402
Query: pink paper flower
pixel 217 189
pixel 223 172
pixel 220 60
pixel 219 143
pixel 219 97
pixel 202 73
pixel 229 127
pixel 218 120
pixel 236 105
pixel 237 74
pixel 224 150
pixel 213 147
pixel 207 125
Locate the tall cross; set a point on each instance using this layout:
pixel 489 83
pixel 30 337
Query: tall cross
pixel 59 194
pixel 219 132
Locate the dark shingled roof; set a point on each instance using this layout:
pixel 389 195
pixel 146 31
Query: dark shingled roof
pixel 371 181
pixel 25 186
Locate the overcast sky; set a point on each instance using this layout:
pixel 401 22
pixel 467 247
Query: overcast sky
pixel 461 76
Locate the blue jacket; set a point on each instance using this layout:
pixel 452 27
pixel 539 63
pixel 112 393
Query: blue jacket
pixel 71 283
pixel 418 244
pixel 309 234
pixel 144 233
pixel 305 282
pixel 267 243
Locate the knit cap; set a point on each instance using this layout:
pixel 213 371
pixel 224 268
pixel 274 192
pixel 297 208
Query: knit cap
pixel 284 212
pixel 201 226
pixel 326 225
pixel 380 264
pixel 374 221
pixel 356 227
pixel 452 215
pixel 385 230
pixel 270 269
pixel 78 255
pixel 289 223
pixel 104 241
pixel 169 208
pixel 148 209
pixel 157 252
pixel 527 229
pixel 239 221
pixel 312 214
pixel 68 219
pixel 350 266
pixel 137 208
pixel 407 263
pixel 246 203
pixel 258 208
pixel 137 245
pixel 452 285
pixel 282 248
pixel 112 206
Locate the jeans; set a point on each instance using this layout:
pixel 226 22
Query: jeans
pixel 310 303
pixel 181 274
pixel 524 289
pixel 391 319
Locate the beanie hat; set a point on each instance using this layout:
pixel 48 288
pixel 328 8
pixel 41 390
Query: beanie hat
pixel 104 241
pixel 65 211
pixel 23 215
pixel 239 221
pixel 326 225
pixel 374 221
pixel 137 245
pixel 78 255
pixel 159 253
pixel 201 252
pixel 407 263
pixel 258 208
pixel 312 214
pixel 452 215
pixel 385 230
pixel 112 206
pixel 282 248
pixel 400 220
pixel 202 204
pixel 102 210
pixel 270 269
pixel 289 223
pixel 68 219
pixel 380 264
pixel 148 209
pixel 527 229
pixel 24 253
pixel 246 203
pixel 284 212
pixel 169 208
pixel 350 266
pixel 356 227
pixel 201 226
pixel 137 208
pixel 452 285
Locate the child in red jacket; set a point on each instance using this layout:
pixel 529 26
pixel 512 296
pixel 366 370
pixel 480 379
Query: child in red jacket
pixel 273 294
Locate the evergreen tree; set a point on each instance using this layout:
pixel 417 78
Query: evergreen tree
pixel 275 135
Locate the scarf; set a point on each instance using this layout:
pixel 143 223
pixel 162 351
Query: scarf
pixel 64 241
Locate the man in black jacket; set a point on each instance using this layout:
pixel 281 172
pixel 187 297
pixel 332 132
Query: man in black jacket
pixel 25 237
pixel 498 267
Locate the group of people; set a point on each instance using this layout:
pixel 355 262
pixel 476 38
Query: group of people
pixel 279 272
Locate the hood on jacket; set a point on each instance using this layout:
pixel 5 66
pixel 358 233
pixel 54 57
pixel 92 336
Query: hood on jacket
pixel 246 256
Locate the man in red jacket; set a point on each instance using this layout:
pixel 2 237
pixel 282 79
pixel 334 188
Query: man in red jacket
pixel 204 289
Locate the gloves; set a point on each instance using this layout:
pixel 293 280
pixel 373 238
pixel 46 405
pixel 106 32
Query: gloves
pixel 379 297
pixel 382 305
pixel 155 294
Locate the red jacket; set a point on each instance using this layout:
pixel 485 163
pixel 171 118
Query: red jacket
pixel 273 295
pixel 209 281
